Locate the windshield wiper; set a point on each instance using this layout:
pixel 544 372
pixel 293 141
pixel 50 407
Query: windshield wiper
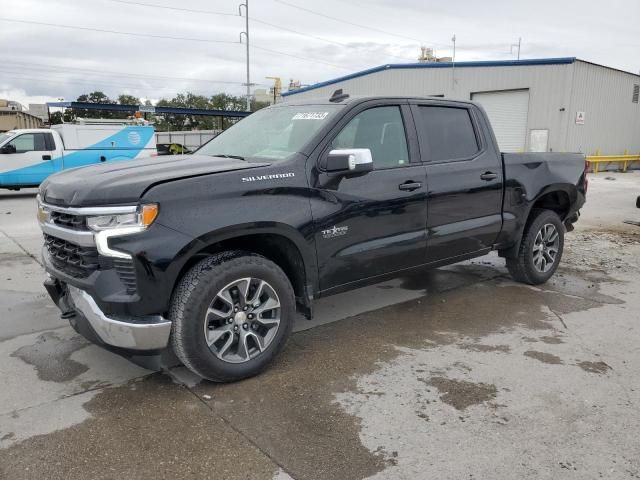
pixel 224 155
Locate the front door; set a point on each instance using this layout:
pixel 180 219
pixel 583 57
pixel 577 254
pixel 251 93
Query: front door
pixel 371 224
pixel 31 161
pixel 464 176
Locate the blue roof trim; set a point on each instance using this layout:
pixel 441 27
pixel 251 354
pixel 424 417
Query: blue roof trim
pixel 393 66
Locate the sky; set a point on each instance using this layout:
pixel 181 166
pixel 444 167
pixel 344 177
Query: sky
pixel 163 47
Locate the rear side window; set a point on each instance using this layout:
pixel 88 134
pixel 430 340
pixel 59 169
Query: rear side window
pixel 449 133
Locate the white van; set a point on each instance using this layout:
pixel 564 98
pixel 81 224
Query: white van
pixel 28 156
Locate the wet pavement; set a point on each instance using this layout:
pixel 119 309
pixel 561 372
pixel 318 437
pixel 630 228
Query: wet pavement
pixel 452 373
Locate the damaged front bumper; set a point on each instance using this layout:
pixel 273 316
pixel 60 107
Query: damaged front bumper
pixel 132 333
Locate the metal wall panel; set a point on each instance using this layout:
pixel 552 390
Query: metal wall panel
pixel 549 87
pixel 611 119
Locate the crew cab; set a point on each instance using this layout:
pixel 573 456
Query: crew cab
pixel 28 156
pixel 212 255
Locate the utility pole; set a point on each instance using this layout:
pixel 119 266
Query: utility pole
pixel 246 37
pixel 453 66
pixel 517 45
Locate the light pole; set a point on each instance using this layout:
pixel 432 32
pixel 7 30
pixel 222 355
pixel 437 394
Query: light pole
pixel 246 37
pixel 453 66
pixel 517 45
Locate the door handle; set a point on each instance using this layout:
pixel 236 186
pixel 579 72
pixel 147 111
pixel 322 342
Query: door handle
pixel 488 176
pixel 409 186
pixel 46 157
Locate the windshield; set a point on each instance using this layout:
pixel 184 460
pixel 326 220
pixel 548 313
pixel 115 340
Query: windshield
pixel 272 133
pixel 5 136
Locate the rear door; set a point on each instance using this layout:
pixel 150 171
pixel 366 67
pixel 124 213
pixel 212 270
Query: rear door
pixel 464 178
pixel 371 224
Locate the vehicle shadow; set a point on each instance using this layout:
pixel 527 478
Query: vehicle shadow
pixel 17 195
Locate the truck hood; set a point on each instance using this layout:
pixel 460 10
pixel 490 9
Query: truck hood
pixel 123 182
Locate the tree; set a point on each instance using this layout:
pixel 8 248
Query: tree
pixel 128 100
pixel 93 97
pixel 55 118
pixel 220 101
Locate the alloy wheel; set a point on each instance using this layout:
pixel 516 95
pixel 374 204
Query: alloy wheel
pixel 545 248
pixel 242 320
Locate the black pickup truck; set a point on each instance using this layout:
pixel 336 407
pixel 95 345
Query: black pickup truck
pixel 211 255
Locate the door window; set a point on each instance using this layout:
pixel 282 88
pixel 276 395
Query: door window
pixel 381 130
pixel 29 142
pixel 449 133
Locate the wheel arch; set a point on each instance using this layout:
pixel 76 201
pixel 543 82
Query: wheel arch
pixel 279 243
pixel 558 198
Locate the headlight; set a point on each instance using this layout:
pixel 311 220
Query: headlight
pixel 129 222
pixel 120 224
pixel 44 214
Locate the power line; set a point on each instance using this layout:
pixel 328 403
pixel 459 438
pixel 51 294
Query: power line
pixel 117 32
pixel 253 20
pixel 353 24
pixel 311 59
pixel 322 39
pixel 73 27
pixel 104 73
pixel 95 83
pixel 92 84
pixel 179 9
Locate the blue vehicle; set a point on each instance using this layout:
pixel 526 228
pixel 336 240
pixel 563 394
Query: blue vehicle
pixel 29 156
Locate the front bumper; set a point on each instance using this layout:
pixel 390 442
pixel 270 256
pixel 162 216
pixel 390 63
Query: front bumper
pixel 131 333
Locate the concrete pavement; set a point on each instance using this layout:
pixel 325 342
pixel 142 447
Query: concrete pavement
pixel 452 373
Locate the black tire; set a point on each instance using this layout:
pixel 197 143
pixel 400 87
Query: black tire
pixel 193 296
pixel 522 267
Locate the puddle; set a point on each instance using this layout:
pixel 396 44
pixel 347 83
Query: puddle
pixel 479 347
pixel 551 340
pixel 50 356
pixel 594 367
pixel 544 357
pixel 461 394
pixel 145 429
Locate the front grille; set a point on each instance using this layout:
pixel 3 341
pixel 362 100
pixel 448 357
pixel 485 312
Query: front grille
pixel 74 260
pixel 68 220
pixel 127 273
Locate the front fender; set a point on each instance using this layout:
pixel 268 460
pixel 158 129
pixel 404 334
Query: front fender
pixel 304 245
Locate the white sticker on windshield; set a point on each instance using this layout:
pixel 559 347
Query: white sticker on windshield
pixel 310 116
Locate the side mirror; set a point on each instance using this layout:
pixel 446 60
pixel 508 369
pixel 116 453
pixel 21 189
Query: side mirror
pixel 7 149
pixel 350 160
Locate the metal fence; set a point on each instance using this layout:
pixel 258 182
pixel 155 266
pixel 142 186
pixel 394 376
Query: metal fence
pixel 613 162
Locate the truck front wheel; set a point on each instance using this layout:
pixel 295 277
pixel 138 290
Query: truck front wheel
pixel 540 250
pixel 231 314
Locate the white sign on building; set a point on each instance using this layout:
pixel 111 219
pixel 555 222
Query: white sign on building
pixel 579 118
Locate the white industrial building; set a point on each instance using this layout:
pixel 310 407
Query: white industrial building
pixel 555 104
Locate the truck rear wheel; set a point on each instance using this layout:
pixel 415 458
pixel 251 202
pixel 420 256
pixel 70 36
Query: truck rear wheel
pixel 540 250
pixel 232 314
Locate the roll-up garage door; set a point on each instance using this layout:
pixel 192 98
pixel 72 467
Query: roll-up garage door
pixel 508 112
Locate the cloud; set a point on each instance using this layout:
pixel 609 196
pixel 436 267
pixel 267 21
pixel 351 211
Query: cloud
pixel 49 62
